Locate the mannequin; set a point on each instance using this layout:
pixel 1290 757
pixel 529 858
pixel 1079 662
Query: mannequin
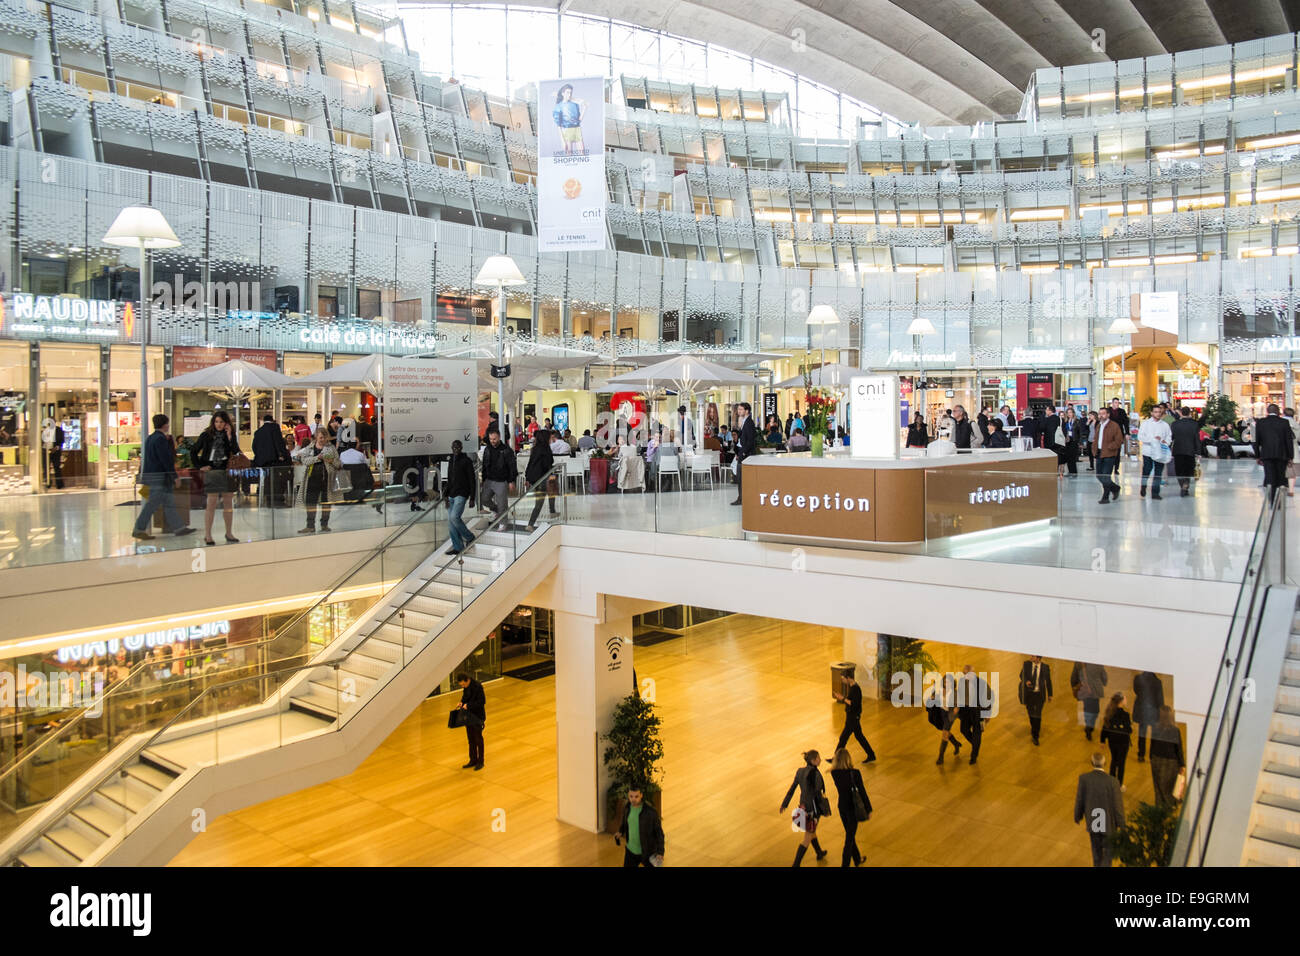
pixel 52 442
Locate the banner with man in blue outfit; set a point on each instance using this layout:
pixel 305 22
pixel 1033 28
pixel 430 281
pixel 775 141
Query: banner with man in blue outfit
pixel 571 165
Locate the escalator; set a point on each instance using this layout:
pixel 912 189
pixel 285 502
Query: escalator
pixel 147 795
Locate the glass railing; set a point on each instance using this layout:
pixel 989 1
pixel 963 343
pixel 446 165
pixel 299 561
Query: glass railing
pixel 144 702
pixel 216 726
pixel 1266 565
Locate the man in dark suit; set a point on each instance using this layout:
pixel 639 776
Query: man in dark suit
pixel 1088 682
pixel 852 701
pixel 1186 444
pixel 1148 698
pixel 1119 416
pixel 270 455
pixel 1100 805
pixel 474 702
pixel 1050 432
pixel 974 706
pixel 158 474
pixel 1035 690
pixel 1274 447
pixel 746 443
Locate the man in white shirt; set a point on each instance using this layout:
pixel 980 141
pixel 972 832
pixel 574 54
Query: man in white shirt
pixel 1155 437
pixel 559 446
pixel 358 469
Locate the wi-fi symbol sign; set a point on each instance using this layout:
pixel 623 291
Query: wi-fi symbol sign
pixel 614 646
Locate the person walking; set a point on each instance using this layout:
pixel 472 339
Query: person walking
pixel 941 712
pixel 474 702
pixel 460 491
pixel 746 443
pixel 158 474
pixel 1185 436
pixel 212 453
pixel 1035 691
pixel 974 707
pixel 1088 682
pixel 500 471
pixel 1099 805
pixel 1117 733
pixel 1275 448
pixel 1166 757
pixel 270 454
pixel 641 832
pixel 1148 698
pixel 850 793
pixel 1155 438
pixel 322 461
pixel 1071 426
pixel 852 701
pixel 539 463
pixel 1107 447
pixel 812 805
pixel 964 435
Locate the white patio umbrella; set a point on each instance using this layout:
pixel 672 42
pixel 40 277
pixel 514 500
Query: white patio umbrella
pixel 235 378
pixel 687 374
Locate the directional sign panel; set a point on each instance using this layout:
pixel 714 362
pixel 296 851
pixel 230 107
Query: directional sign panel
pixel 428 404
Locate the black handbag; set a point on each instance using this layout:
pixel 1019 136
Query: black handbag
pixel 456 718
pixel 859 804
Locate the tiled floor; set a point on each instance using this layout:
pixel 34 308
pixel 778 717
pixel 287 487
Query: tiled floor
pixel 1204 536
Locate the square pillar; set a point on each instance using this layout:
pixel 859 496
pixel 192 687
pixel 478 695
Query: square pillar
pixel 593 672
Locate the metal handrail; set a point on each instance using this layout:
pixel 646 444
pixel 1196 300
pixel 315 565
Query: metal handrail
pixel 1246 613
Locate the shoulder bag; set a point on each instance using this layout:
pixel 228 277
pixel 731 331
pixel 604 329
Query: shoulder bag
pixel 456 718
pixel 859 804
pixel 821 802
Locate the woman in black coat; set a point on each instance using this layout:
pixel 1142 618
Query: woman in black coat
pixel 812 792
pixel 1117 733
pixel 848 780
pixel 540 461
pixel 916 434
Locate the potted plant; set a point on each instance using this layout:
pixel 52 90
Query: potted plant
pixel 1147 405
pixel 1148 837
pixel 632 757
pixel 900 655
pixel 820 402
pixel 1220 411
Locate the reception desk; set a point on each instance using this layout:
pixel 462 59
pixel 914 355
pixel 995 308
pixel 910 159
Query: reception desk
pixel 895 501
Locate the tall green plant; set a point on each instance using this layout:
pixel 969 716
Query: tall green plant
pixel 1220 410
pixel 1148 837
pixel 635 749
pixel 1147 405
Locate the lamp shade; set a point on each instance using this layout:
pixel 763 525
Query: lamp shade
pixel 141 225
pixel 499 270
pixel 822 315
pixel 1122 326
pixel 921 326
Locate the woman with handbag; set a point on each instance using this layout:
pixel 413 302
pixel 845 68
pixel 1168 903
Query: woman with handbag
pixel 539 463
pixel 322 461
pixel 213 452
pixel 813 804
pixel 852 803
pixel 1117 733
pixel 1167 762
pixel 941 711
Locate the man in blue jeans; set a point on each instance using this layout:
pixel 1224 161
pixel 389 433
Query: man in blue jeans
pixel 158 474
pixel 460 490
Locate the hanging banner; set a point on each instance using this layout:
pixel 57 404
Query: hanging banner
pixel 571 165
pixel 428 404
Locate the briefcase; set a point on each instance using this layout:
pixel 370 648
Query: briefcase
pixel 456 718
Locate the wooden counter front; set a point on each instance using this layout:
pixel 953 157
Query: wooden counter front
pixel 895 501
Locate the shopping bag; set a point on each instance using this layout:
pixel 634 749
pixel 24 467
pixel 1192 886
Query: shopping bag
pixel 342 481
pixel 456 718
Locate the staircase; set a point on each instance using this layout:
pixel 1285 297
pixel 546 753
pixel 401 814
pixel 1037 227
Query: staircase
pixel 1274 836
pixel 319 721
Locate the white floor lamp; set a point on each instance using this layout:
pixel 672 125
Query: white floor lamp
pixel 143 228
pixel 501 271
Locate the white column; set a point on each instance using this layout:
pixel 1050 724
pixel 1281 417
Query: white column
pixel 593 672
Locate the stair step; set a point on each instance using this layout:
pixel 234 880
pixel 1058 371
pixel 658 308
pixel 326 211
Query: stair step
pixel 105 821
pixel 326 689
pixel 1275 819
pixel 44 855
pixel 1280 802
pixel 364 665
pixel 1281 785
pixel 1285 724
pixel 120 792
pixel 422 621
pixel 1293 645
pixel 1291 671
pixel 1281 837
pixel 1268 853
pixel 1288 699
pixel 395 634
pixel 1282 753
pixel 150 776
pixel 317 701
pixel 380 650
pixel 441 590
pixel 76 844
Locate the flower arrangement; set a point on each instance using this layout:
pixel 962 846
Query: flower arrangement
pixel 820 403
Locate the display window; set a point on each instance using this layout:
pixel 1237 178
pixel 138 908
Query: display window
pixel 1254 387
pixel 17 418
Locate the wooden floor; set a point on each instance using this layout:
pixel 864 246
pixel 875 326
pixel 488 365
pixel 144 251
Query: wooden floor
pixel 740 699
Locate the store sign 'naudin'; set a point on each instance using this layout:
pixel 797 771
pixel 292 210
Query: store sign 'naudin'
pixel 25 313
pixel 1284 343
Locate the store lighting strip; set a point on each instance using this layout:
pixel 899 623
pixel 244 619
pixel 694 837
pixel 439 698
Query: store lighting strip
pixel 231 612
